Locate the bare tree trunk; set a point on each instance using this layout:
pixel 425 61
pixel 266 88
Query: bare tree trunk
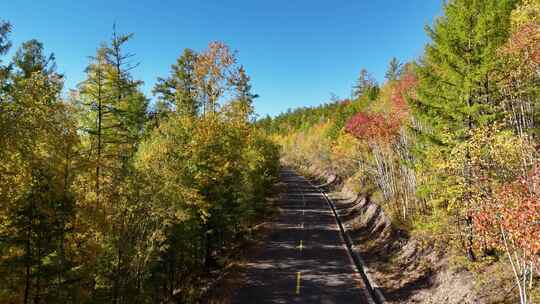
pixel 28 279
pixel 519 268
pixel 38 277
pixel 468 182
pixel 99 135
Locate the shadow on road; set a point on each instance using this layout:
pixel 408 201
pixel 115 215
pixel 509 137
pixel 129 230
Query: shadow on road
pixel 303 259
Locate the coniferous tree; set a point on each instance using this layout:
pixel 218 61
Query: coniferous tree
pixel 94 113
pixel 456 92
pixel 5 45
pixel 29 58
pixel 243 95
pixel 113 114
pixel 394 70
pixel 40 207
pixel 178 91
pixel 130 104
pixel 366 86
pixel 114 110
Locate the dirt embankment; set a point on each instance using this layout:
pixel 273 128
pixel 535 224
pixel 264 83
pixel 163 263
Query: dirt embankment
pixel 406 269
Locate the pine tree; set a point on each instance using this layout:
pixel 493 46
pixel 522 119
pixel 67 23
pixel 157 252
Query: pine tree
pixel 243 95
pixel 456 92
pixel 114 115
pixel 29 59
pixel 394 71
pixel 129 103
pixel 365 86
pixel 5 45
pixel 178 91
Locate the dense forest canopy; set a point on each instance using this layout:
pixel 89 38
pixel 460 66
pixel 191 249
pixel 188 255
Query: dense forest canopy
pixel 108 200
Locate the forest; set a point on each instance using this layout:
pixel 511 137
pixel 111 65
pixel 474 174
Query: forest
pixel 109 195
pixel 106 198
pixel 448 143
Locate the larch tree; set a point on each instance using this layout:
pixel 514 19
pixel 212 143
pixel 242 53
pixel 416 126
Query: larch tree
pixel 113 110
pixel 394 70
pixel 5 45
pixel 129 102
pixel 178 92
pixel 94 99
pixel 113 116
pixel 457 90
pixel 29 58
pixel 366 86
pixel 243 96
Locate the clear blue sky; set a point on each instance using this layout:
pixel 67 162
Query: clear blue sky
pixel 297 52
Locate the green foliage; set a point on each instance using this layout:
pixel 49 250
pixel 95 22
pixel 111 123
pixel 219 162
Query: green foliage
pixel 455 73
pixel 365 86
pixel 30 59
pixel 104 201
pixel 395 68
pixel 5 44
pixel 178 91
pixel 449 143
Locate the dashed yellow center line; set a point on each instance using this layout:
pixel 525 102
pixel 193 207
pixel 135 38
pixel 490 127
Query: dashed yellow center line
pixel 300 247
pixel 298 277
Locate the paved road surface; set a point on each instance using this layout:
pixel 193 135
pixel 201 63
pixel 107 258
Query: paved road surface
pixel 304 259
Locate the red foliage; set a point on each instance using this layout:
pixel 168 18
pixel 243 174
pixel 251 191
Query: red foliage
pixel 516 211
pixel 404 87
pixel 375 126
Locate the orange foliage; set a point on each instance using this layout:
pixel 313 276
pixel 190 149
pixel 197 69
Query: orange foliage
pixel 525 41
pixel 374 126
pixel 515 210
pixel 403 88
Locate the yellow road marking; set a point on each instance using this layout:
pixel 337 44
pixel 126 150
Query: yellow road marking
pixel 298 275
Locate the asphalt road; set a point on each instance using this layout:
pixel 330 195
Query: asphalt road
pixel 304 259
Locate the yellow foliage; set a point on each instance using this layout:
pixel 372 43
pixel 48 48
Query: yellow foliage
pixel 527 12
